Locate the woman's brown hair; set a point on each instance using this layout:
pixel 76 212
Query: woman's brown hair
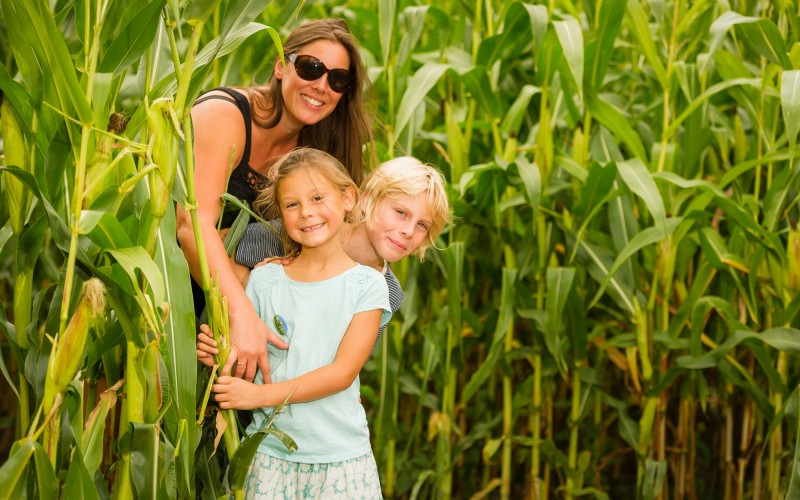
pixel 344 132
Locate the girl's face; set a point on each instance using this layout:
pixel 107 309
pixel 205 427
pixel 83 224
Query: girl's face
pixel 308 102
pixel 399 226
pixel 312 207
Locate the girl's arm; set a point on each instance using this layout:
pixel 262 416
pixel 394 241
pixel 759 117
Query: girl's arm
pixel 218 126
pixel 231 392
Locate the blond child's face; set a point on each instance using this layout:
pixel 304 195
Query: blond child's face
pixel 400 225
pixel 312 207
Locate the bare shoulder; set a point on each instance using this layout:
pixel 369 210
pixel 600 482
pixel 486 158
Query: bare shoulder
pixel 218 126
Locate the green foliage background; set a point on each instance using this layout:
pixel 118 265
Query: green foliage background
pixel 613 313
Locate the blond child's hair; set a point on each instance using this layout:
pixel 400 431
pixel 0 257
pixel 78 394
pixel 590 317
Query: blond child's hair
pixel 308 159
pixel 407 175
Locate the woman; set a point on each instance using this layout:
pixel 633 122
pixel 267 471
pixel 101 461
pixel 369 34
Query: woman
pixel 313 99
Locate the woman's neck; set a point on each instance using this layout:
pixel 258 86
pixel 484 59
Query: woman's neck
pixel 356 243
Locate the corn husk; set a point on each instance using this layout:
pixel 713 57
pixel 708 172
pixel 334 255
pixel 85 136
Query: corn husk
pixel 69 348
pixel 164 153
pixel 793 263
pixel 17 197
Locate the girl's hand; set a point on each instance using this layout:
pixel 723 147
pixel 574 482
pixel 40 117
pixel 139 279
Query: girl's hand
pixel 238 394
pixel 206 346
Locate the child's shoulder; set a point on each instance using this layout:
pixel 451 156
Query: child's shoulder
pixel 266 274
pixel 364 276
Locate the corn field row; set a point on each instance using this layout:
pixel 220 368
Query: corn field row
pixel 614 313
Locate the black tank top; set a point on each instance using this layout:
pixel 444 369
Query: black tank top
pixel 244 182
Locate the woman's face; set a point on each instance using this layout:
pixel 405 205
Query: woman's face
pixel 308 102
pixel 399 226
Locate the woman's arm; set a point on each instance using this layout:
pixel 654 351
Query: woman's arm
pixel 219 129
pixel 231 392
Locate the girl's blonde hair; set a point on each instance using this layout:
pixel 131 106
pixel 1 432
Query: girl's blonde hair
pixel 407 175
pixel 308 159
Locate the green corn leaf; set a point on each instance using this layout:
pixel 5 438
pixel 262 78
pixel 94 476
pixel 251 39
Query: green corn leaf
pixel 12 473
pixel 600 50
pixel 386 16
pixel 609 116
pixel 45 476
pixel 760 34
pixel 649 236
pixel 599 262
pixel 104 229
pixel 628 429
pixel 639 180
pixel 654 473
pixel 504 319
pixel 134 258
pixel 782 339
pixel 705 96
pixel 28 51
pixel 211 51
pixel 559 284
pixel 144 459
pixel 198 11
pixel 523 23
pixel 62 70
pixel 571 39
pixel 637 20
pixel 532 179
pixel 793 490
pixel 239 14
pixel 598 185
pixel 477 83
pixel 240 463
pixel 790 104
pixel 418 87
pixel 94 430
pixel 775 200
pixel 79 484
pixel 518 110
pixel 179 327
pixel 133 40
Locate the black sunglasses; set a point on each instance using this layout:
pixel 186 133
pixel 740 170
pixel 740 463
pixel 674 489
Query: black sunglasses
pixel 310 68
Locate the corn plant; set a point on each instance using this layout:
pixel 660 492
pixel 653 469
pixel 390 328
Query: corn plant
pixel 612 314
pixel 95 115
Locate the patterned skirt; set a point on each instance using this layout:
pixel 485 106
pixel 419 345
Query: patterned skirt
pixel 274 478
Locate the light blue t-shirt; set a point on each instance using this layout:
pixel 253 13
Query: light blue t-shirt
pixel 316 317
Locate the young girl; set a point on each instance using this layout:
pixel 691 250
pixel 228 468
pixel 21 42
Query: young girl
pixel 332 308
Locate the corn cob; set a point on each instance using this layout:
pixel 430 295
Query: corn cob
pixel 69 348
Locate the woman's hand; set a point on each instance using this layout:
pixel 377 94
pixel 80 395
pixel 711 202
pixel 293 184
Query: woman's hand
pixel 249 337
pixel 238 394
pixel 206 346
pixel 284 261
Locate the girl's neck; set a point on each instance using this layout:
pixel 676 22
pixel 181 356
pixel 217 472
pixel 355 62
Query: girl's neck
pixel 319 263
pixel 356 243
